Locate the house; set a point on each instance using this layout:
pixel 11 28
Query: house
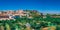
pixel 5 17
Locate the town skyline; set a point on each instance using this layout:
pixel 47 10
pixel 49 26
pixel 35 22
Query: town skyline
pixel 29 10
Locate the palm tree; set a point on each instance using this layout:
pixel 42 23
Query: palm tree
pixel 1 26
pixel 7 26
pixel 16 27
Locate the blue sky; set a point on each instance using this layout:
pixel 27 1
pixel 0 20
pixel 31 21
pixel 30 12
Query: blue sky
pixel 44 6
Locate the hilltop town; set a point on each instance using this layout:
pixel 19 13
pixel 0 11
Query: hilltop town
pixel 10 14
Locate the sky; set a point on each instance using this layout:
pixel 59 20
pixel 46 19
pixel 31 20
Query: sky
pixel 44 6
